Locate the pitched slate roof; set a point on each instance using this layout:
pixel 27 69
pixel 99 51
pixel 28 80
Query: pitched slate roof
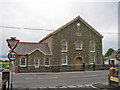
pixel 24 48
pixel 61 28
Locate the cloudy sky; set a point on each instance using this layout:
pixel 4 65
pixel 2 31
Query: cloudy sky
pixel 52 14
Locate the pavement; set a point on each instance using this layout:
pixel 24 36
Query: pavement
pixel 97 86
pixel 100 86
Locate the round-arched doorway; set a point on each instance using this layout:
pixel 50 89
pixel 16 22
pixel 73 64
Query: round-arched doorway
pixel 78 63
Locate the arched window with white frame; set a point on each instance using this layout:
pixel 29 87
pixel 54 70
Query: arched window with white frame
pixel 63 46
pixel 23 62
pixel 78 45
pixel 47 61
pixel 36 63
pixel 92 46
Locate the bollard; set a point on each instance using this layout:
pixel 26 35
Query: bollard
pixel 112 71
pixel 93 66
pixel 5 78
pixel 83 66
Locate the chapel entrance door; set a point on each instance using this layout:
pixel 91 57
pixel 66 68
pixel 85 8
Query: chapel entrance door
pixel 78 63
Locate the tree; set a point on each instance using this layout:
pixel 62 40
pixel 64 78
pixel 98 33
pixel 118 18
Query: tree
pixel 109 52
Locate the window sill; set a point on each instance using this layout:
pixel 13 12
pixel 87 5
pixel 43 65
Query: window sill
pixel 36 66
pixel 92 51
pixel 47 65
pixel 63 50
pixel 78 49
pixel 63 64
pixel 22 65
pixel 91 63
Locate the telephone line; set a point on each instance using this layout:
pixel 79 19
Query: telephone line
pixel 36 29
pixel 26 28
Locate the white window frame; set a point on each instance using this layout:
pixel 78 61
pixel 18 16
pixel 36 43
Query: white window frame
pixel 66 46
pixel 36 66
pixel 76 46
pixel 66 60
pixel 93 60
pixel 45 62
pixel 25 62
pixel 94 46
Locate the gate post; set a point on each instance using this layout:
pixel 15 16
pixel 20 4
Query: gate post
pixel 5 79
pixel 94 66
pixel 84 66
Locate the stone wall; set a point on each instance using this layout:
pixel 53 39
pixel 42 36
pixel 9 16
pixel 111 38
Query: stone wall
pixel 60 68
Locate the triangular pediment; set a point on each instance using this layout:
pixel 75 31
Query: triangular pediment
pixel 69 23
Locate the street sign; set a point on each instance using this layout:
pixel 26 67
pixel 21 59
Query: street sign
pixel 12 56
pixel 12 43
pixel 118 56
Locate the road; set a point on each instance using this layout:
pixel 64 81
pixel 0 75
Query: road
pixel 59 79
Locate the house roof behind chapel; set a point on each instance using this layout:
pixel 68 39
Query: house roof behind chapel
pixel 113 55
pixel 24 48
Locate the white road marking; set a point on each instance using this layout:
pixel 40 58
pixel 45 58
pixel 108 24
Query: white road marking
pixel 90 76
pixel 84 76
pixel 29 78
pixel 41 78
pixel 54 77
pixel 57 77
pixel 51 78
pixel 93 75
pixel 74 76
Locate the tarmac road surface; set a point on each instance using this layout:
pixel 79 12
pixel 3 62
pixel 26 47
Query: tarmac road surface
pixel 62 79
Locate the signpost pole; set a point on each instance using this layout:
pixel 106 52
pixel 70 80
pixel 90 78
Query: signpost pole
pixel 11 75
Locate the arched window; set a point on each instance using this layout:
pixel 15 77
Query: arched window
pixel 23 62
pixel 36 63
pixel 47 61
pixel 78 46
pixel 64 46
pixel 92 46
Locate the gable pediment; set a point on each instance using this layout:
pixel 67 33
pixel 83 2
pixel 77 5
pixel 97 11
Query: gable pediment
pixel 78 19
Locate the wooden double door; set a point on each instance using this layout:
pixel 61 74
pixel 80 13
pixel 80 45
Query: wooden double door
pixel 78 63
